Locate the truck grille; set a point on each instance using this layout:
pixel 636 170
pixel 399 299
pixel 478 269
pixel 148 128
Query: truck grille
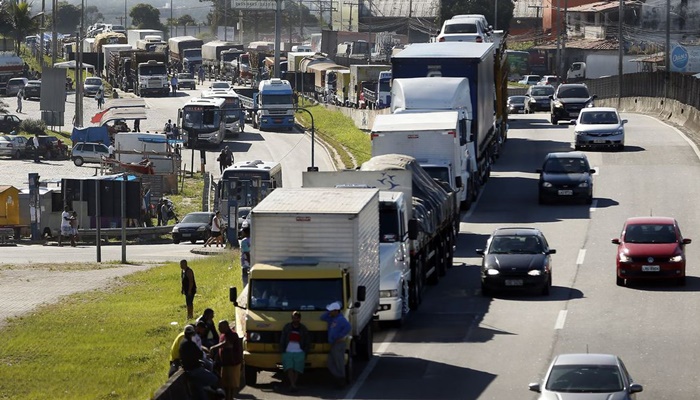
pixel 278 112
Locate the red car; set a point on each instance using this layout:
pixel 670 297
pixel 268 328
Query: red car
pixel 651 248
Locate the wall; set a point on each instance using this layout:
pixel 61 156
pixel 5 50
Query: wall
pixel 364 119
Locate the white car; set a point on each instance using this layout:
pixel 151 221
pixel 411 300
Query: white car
pixel 219 87
pixel 530 80
pixel 463 29
pixel 599 127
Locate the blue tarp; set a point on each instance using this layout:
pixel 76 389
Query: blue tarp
pixel 92 134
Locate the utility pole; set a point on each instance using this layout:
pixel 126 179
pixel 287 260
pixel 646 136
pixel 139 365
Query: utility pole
pixel 369 34
pixel 620 53
pixel 301 21
pixel 121 20
pixel 54 35
pixel 278 36
pixel 351 4
pixel 40 55
pixel 125 14
pixel 557 65
pixel 79 71
pixel 668 46
pixel 171 18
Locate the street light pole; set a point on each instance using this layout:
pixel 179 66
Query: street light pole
pixel 620 53
pixel 495 14
pixel 313 139
pixel 668 47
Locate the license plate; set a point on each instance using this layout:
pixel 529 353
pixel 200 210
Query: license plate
pixel 651 268
pixel 186 234
pixel 599 141
pixel 277 121
pixel 565 192
pixel 514 282
pixel 573 114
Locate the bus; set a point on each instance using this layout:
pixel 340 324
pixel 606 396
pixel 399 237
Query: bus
pixel 245 184
pixel 518 64
pixel 202 122
pixel 234 115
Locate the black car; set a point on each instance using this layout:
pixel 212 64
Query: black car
pixel 568 100
pixel 516 104
pixel 9 123
pixel 50 147
pixel 516 258
pixel 195 226
pixel 537 98
pixel 566 176
pixel 32 90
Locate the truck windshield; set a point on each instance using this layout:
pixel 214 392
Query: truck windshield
pixel 385 86
pixel 276 99
pixel 439 173
pixel 192 53
pixel 201 118
pixel 296 294
pixel 229 56
pixel 153 70
pixel 389 231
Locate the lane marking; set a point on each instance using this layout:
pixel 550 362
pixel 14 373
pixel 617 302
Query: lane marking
pixel 373 363
pixel 594 205
pixel 561 320
pixel 581 256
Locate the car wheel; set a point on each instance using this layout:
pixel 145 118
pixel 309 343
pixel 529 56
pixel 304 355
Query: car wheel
pixel 485 290
pixel 555 121
pixel 620 281
pixel 589 200
pixel 176 241
pixel 577 147
pixel 78 161
pixel 620 147
pixel 193 241
pixel 681 281
pixel 547 286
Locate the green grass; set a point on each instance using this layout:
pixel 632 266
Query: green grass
pixel 190 197
pixel 352 144
pixel 112 343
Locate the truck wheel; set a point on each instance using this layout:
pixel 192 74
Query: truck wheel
pixel 251 375
pixel 416 285
pixel 365 351
pixel 349 369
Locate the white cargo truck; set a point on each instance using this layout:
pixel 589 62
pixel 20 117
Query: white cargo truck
pixel 311 247
pixel 108 50
pixel 134 35
pixel 361 75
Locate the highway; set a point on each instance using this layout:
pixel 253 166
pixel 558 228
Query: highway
pixel 461 345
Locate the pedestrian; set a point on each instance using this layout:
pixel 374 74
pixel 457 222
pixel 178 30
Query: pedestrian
pixel 295 344
pixel 211 336
pixel 20 95
pixel 230 356
pixel 338 329
pixel 65 229
pixel 189 287
pixel 191 359
pixel 229 156
pixel 137 125
pixel 200 74
pixel 215 231
pixel 35 142
pixel 99 96
pixel 164 213
pixel 245 249
pixel 74 229
pixel 110 150
pixel 175 363
pixel 175 132
pixel 168 128
pixel 222 161
pixel 173 84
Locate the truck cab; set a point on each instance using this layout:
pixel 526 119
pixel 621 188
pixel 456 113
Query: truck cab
pixel 274 104
pixel 152 78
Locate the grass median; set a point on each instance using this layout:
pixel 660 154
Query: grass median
pixel 112 343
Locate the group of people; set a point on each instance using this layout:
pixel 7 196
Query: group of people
pixel 171 130
pixel 165 211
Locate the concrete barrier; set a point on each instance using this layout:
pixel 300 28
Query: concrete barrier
pixel 174 389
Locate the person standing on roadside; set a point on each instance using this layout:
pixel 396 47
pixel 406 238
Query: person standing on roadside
pixel 20 95
pixel 230 357
pixel 191 360
pixel 173 84
pixel 294 343
pixel 65 226
pixel 215 231
pixel 338 329
pixel 35 142
pixel 189 287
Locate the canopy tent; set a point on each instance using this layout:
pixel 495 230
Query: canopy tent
pixel 118 104
pixel 72 65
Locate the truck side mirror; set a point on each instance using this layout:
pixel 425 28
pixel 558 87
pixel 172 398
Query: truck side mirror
pixel 458 181
pixel 413 229
pixel 232 294
pixel 361 293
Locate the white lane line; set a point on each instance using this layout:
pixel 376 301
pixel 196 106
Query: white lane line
pixel 561 320
pixel 368 369
pixel 594 205
pixel 581 256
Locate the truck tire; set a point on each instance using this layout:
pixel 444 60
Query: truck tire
pixel 251 375
pixel 436 264
pixel 416 285
pixel 349 368
pixel 365 351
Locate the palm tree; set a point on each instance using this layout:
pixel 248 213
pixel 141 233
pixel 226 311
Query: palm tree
pixel 20 21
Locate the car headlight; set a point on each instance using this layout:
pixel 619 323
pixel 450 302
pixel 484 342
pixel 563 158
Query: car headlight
pixel 535 272
pixel 385 294
pixel 254 337
pixel 546 184
pixel 558 104
pixel 577 133
pixel 624 258
pixel 201 229
pixel 676 258
pixel 620 130
pixel 176 229
pixel 583 184
pixel 492 272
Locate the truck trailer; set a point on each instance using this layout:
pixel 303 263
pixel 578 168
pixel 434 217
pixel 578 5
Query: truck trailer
pixel 185 53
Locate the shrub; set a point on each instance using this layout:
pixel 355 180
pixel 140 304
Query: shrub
pixel 33 126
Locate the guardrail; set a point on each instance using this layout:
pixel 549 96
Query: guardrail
pixel 130 232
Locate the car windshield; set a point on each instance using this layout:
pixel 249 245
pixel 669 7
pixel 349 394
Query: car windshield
pixel 93 81
pixel 599 117
pixel 516 244
pixel 220 85
pixel 650 233
pixel 566 166
pixel 196 219
pixel 585 379
pixel 185 76
pixel 517 99
pixel 574 92
pixel 461 28
pixel 243 212
pixel 545 91
pixel 294 294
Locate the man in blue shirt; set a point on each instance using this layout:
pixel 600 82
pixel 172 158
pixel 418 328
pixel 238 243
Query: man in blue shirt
pixel 338 329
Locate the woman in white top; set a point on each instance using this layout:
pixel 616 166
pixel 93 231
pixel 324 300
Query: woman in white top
pixel 215 231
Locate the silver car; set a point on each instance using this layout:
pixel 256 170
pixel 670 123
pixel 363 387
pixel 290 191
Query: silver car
pixel 92 85
pixel 587 376
pixel 600 127
pixel 13 146
pixel 88 153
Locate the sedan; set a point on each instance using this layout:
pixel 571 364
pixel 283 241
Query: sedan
pixel 516 258
pixel 587 377
pixel 650 248
pixel 13 146
pixel 516 104
pixel 32 90
pixel 600 127
pixel 530 79
pixel 566 176
pixel 92 85
pixel 538 98
pixel 219 87
pixel 195 226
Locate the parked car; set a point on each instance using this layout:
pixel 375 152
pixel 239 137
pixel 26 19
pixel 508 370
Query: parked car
pixel 530 79
pixel 195 226
pixel 219 87
pixel 186 80
pixel 463 29
pixel 566 176
pixel 568 100
pixel 538 98
pixel 516 258
pixel 92 85
pixel 243 216
pixel 587 376
pixel 32 90
pixel 552 80
pixel 516 104
pixel 650 248
pixel 50 147
pixel 600 127
pixel 14 85
pixel 13 146
pixel 9 123
pixel 88 153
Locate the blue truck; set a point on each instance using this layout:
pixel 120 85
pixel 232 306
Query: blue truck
pixel 270 106
pixel 478 63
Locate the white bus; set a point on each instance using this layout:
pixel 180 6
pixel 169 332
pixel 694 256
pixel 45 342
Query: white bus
pixel 202 122
pixel 234 115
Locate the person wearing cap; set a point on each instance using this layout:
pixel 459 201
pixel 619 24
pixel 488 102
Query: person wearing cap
pixel 191 359
pixel 295 344
pixel 338 329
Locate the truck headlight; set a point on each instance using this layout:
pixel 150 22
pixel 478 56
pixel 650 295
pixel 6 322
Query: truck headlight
pixel 254 337
pixel 385 294
pixel 534 272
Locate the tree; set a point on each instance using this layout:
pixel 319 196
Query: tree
pixel 17 21
pixel 486 8
pixel 145 16
pixel 185 20
pixel 67 17
pixel 93 15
